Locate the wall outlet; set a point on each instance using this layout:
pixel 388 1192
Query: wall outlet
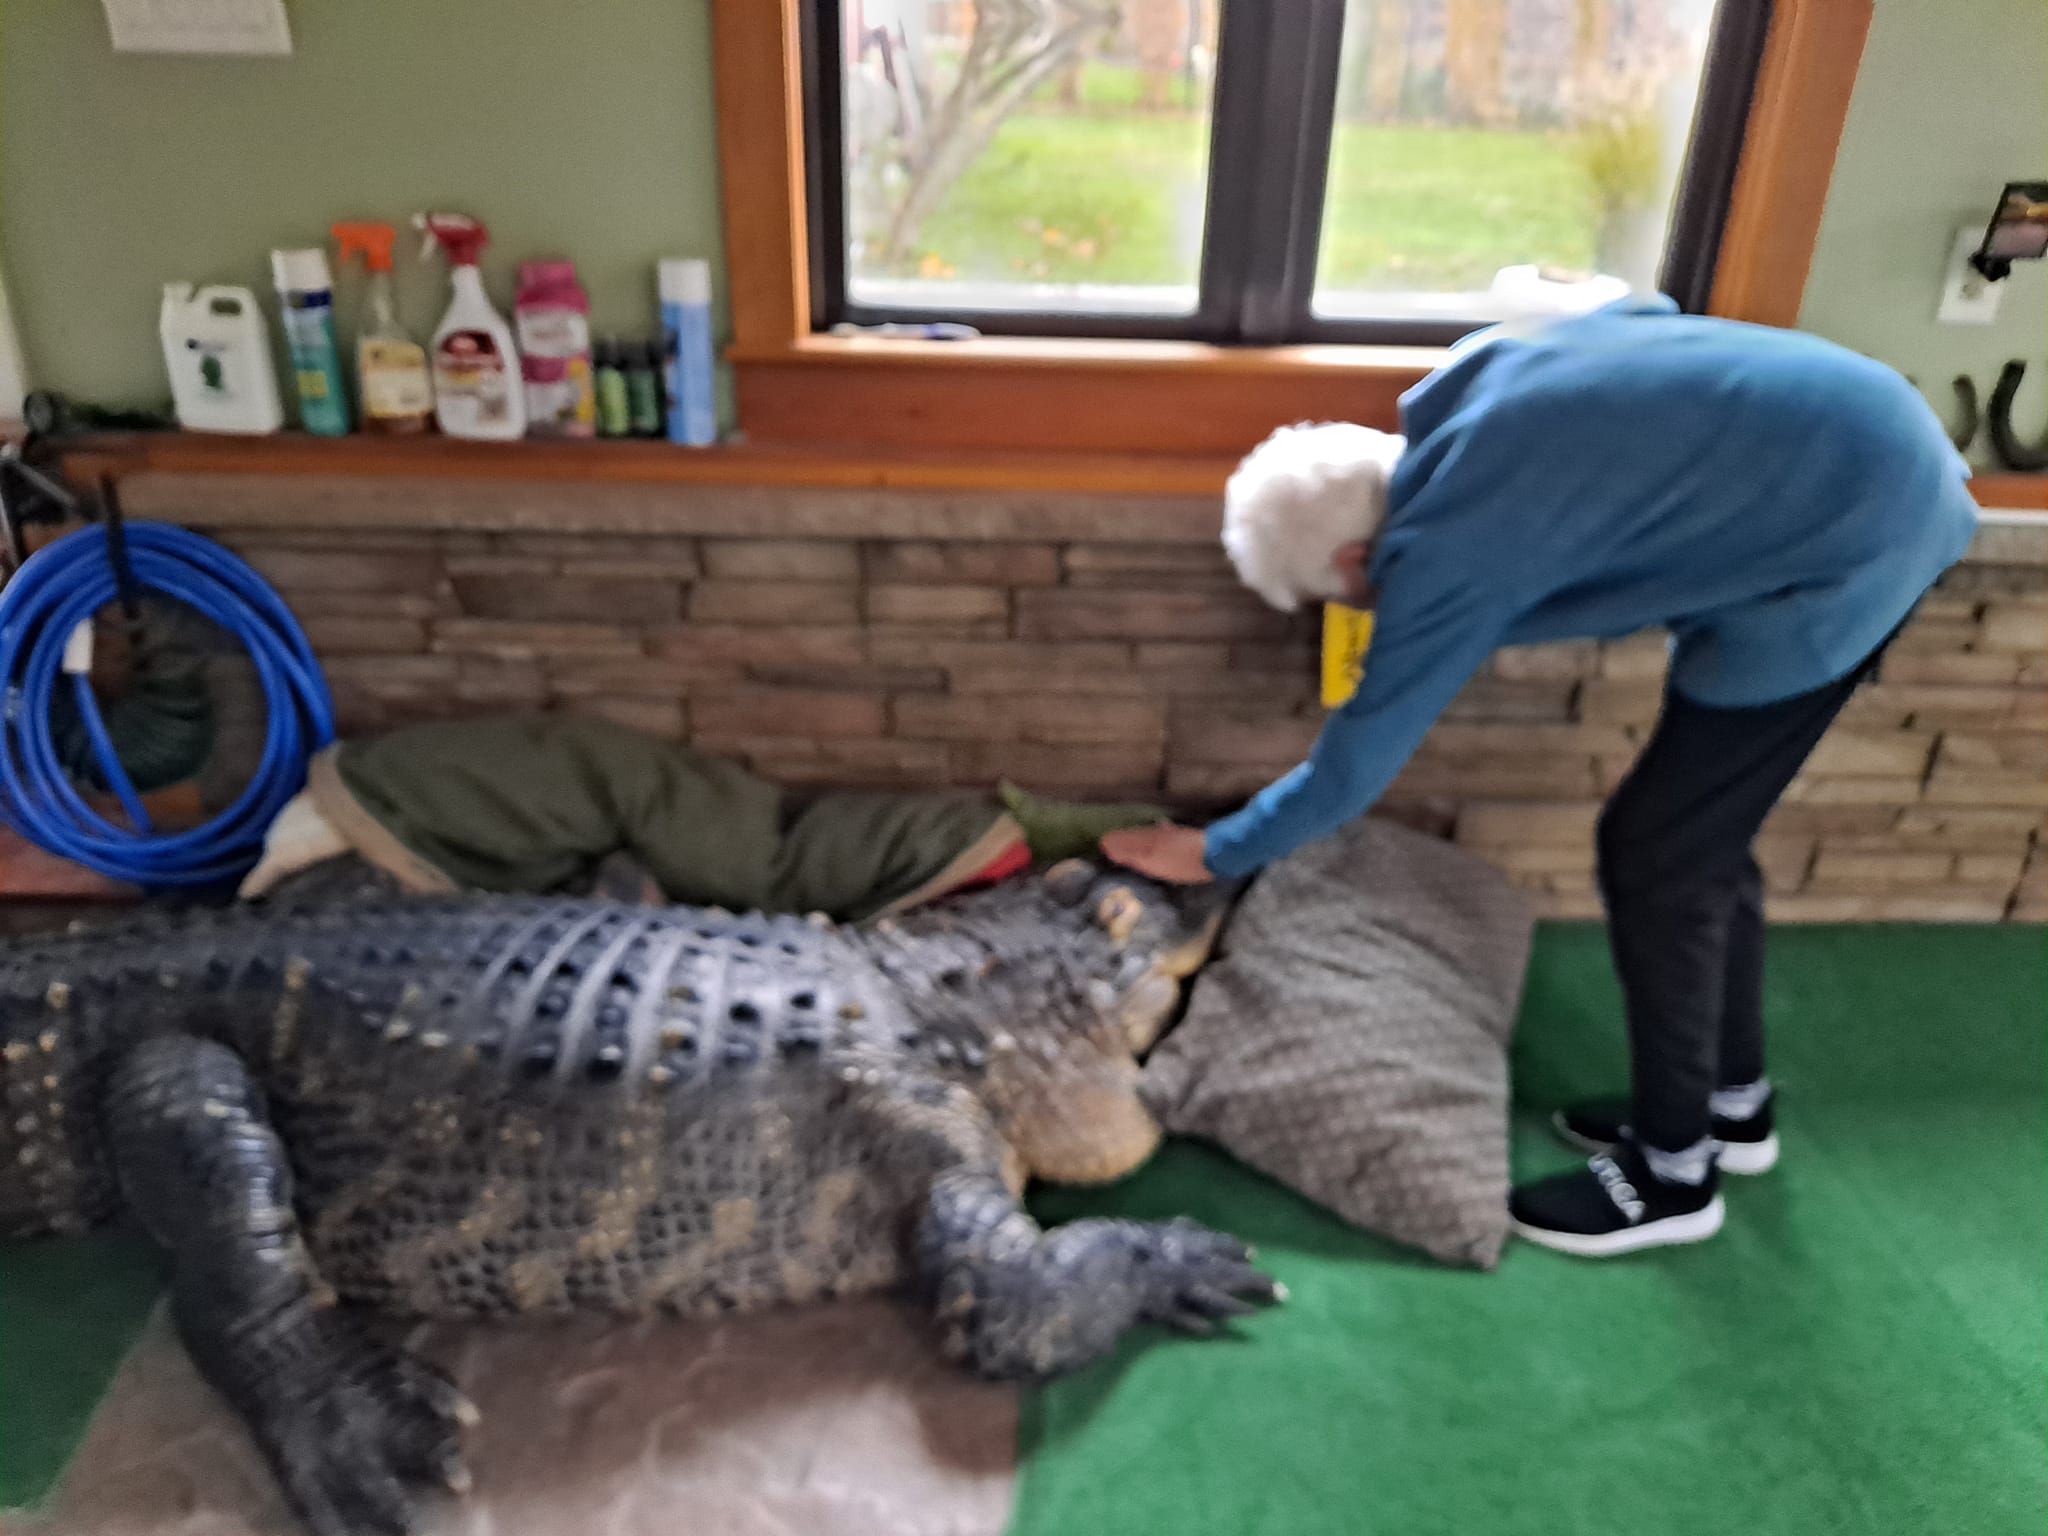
pixel 198 26
pixel 1968 297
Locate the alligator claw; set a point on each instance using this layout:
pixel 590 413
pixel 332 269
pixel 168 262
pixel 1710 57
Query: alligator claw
pixel 366 1434
pixel 1199 1279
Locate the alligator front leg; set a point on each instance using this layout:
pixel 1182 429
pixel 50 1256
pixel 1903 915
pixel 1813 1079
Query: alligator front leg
pixel 351 1428
pixel 1018 1301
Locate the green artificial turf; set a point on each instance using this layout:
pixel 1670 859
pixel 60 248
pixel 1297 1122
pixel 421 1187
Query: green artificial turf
pixel 69 1309
pixel 1864 1349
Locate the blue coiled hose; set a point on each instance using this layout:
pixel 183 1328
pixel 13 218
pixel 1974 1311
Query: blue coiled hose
pixel 63 586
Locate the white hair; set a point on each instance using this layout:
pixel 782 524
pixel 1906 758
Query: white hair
pixel 1298 498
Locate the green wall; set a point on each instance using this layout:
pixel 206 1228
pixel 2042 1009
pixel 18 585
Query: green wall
pixel 588 131
pixel 1950 105
pixel 577 130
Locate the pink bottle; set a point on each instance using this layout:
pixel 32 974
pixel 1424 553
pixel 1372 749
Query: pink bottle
pixel 552 316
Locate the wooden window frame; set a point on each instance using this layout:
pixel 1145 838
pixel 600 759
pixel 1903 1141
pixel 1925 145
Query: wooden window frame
pixel 1174 399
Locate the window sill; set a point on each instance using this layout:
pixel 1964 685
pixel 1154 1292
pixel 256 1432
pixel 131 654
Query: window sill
pixel 1033 396
pixel 1096 354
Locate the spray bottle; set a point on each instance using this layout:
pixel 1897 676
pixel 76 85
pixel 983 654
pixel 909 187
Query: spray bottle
pixel 392 379
pixel 477 387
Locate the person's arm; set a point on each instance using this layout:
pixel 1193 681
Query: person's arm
pixel 1430 634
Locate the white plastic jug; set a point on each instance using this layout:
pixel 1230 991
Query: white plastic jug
pixel 217 348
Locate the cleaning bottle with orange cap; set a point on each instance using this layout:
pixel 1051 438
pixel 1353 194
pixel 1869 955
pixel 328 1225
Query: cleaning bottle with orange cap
pixel 478 391
pixel 392 380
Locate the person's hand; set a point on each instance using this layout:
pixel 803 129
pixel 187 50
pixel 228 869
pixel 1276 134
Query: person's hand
pixel 1165 852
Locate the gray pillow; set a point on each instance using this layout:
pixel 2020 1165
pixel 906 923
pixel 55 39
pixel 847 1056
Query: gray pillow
pixel 1351 1038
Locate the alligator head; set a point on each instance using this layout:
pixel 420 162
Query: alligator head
pixel 1061 983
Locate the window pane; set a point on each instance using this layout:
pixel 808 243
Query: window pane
pixel 1044 155
pixel 1497 157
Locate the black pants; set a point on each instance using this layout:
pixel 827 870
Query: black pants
pixel 1684 896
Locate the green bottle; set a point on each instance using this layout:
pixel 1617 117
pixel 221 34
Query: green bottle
pixel 614 409
pixel 643 388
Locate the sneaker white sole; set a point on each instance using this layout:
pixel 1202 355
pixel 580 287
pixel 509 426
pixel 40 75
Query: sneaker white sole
pixel 1562 1130
pixel 1693 1227
pixel 1744 1157
pixel 1748 1156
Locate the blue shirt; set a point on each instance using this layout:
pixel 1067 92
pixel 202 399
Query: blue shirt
pixel 1778 502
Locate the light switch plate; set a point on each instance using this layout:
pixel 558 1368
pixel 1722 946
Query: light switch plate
pixel 199 26
pixel 1968 297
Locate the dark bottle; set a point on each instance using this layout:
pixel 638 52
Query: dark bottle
pixel 614 406
pixel 643 387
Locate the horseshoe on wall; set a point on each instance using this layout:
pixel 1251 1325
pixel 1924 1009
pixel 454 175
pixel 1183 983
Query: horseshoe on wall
pixel 2012 453
pixel 1966 397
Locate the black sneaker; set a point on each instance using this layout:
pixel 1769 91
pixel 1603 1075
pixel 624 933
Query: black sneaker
pixel 1615 1205
pixel 1746 1146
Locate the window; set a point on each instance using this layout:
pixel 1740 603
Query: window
pixel 1264 171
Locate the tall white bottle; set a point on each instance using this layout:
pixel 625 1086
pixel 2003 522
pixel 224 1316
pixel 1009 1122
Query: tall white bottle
pixel 478 391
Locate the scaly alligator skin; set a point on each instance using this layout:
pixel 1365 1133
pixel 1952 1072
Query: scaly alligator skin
pixel 467 1108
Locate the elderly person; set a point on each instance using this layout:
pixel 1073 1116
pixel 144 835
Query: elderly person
pixel 1778 503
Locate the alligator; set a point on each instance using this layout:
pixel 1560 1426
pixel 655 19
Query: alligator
pixel 331 1114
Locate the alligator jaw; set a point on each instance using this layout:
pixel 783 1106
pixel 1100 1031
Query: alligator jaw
pixel 1181 963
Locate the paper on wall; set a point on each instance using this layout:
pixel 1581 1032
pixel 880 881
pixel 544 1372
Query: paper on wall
pixel 199 26
pixel 13 372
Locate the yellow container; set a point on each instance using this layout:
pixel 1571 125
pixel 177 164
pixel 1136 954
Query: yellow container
pixel 1347 635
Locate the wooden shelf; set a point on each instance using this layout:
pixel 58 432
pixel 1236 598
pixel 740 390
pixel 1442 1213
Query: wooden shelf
pixel 2012 492
pixel 646 463
pixel 27 874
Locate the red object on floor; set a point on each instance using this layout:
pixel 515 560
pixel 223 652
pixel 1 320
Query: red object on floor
pixel 1013 860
